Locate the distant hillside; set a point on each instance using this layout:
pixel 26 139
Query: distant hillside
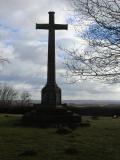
pixel 90 102
pixel 93 102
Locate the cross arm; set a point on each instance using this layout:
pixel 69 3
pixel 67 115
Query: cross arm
pixel 61 26
pixel 42 26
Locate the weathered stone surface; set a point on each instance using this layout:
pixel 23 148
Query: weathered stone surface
pixel 46 116
pixel 51 94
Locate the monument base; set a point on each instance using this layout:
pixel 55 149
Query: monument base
pixel 44 116
pixel 51 95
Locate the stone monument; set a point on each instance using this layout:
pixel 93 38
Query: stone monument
pixel 55 116
pixel 51 93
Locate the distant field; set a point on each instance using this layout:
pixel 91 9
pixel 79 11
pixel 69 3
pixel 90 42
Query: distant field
pixel 100 141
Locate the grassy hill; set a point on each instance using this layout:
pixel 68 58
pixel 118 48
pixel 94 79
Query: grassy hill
pixel 99 141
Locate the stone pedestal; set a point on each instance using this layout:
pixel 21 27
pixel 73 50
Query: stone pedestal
pixel 51 95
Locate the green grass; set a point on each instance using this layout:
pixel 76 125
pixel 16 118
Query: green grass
pixel 100 141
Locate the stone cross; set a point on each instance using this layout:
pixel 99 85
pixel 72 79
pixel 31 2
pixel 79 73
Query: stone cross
pixel 51 93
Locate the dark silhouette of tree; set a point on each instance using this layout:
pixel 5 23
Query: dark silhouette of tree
pixel 25 98
pixel 7 94
pixel 101 60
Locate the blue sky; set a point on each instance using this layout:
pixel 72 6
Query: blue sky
pixel 26 49
pixel 95 31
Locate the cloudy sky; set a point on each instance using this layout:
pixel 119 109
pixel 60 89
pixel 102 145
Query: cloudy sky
pixel 26 49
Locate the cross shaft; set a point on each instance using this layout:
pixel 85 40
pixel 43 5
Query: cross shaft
pixel 51 76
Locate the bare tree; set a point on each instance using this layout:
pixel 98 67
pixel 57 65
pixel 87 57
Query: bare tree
pixel 25 98
pixel 7 94
pixel 101 60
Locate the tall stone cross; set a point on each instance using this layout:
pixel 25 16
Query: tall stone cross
pixel 51 93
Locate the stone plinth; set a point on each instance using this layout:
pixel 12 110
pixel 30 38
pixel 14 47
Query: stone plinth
pixel 50 116
pixel 51 94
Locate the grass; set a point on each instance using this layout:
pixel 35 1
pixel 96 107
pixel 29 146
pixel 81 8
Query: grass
pixel 99 141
